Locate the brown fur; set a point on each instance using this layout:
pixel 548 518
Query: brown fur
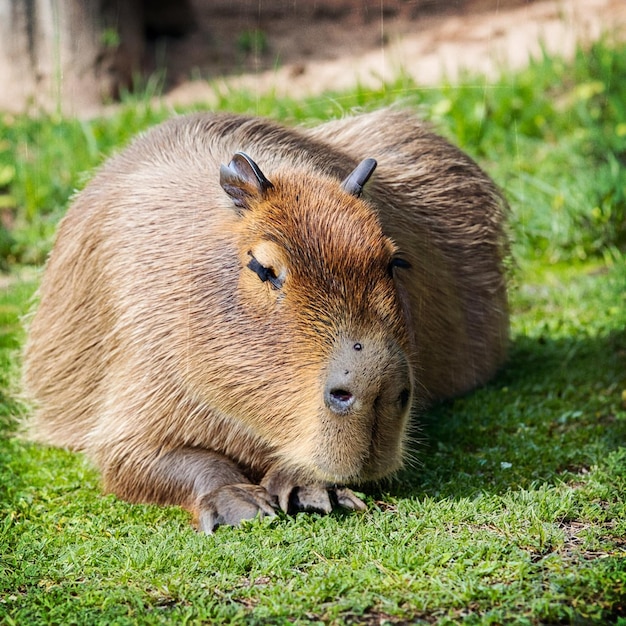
pixel 189 380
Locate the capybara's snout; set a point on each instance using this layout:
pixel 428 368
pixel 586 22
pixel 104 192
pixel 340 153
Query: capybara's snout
pixel 367 375
pixel 367 391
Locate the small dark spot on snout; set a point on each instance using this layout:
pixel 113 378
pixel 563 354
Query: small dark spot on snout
pixel 358 347
pixel 339 400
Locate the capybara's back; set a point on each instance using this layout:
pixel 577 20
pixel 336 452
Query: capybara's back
pixel 233 318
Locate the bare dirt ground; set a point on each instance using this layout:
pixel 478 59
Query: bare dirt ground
pixel 301 48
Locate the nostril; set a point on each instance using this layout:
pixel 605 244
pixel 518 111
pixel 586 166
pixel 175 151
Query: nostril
pixel 339 400
pixel 341 395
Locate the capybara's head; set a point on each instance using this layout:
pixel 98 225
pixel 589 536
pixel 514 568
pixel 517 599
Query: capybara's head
pixel 318 285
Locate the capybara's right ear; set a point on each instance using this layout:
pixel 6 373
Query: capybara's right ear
pixel 242 180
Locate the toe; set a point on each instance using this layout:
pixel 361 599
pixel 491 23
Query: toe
pixel 348 500
pixel 312 498
pixel 231 504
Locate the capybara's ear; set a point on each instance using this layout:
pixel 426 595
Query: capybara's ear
pixel 355 182
pixel 242 179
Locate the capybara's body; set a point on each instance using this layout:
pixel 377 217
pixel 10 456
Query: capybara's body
pixel 222 336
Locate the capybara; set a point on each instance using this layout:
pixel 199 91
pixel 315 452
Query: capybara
pixel 234 319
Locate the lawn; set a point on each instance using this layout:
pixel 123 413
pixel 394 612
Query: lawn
pixel 514 510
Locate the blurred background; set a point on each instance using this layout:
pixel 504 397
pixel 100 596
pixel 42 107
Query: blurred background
pixel 74 56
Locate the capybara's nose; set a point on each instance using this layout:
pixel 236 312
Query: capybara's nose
pixel 367 375
pixel 338 399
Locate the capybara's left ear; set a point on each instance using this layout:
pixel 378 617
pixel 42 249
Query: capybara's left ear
pixel 355 181
pixel 242 179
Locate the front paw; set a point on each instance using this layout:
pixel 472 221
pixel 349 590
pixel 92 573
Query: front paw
pixel 231 504
pixel 323 499
pixel 294 496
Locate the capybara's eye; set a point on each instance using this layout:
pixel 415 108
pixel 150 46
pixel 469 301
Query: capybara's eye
pixel 266 274
pixel 398 262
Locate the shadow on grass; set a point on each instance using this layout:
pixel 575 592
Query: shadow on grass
pixel 555 410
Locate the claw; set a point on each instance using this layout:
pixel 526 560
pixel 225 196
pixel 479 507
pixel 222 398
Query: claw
pixel 348 500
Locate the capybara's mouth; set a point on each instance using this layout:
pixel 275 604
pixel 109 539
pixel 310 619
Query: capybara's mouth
pixel 378 459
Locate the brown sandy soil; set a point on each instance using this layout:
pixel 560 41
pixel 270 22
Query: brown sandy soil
pixel 305 48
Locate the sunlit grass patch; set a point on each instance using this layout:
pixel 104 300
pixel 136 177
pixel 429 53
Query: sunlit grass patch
pixel 514 511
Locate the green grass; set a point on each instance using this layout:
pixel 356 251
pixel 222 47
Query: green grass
pixel 553 136
pixel 515 512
